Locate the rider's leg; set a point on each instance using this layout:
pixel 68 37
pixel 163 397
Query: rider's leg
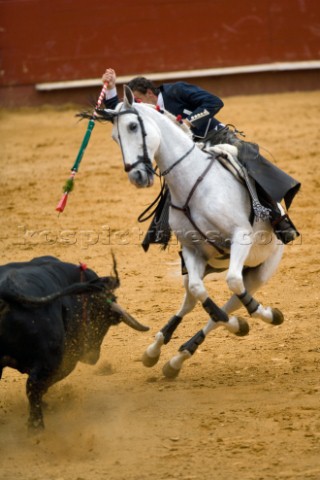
pixel 282 225
pixel 280 221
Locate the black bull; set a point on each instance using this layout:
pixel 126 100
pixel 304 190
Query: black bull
pixel 52 315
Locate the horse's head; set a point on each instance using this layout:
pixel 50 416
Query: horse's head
pixel 138 139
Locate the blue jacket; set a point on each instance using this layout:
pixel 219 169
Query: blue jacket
pixel 193 103
pixel 189 101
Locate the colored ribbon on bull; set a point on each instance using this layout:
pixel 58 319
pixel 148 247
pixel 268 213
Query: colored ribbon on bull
pixel 68 186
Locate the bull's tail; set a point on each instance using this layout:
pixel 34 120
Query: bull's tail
pixel 11 292
pixel 111 282
pixel 115 270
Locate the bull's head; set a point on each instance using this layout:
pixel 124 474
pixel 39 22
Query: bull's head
pixel 102 312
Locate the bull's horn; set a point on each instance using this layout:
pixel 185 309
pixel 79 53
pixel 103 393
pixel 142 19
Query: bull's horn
pixel 128 319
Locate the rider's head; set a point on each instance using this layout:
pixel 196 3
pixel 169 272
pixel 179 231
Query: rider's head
pixel 144 90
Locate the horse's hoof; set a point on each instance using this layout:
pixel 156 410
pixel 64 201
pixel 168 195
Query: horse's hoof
pixel 277 317
pixel 170 372
pixel 243 327
pixel 149 361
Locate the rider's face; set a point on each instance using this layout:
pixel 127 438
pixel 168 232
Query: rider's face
pixel 148 97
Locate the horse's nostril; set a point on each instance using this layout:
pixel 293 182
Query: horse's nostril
pixel 138 176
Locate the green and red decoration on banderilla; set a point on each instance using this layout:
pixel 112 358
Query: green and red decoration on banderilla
pixel 69 185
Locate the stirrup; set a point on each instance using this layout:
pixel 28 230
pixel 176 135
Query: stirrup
pixel 284 229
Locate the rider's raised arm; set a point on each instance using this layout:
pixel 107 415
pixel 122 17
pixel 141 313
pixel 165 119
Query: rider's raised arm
pixel 111 99
pixel 196 105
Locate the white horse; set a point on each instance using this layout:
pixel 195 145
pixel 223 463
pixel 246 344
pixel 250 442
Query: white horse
pixel 210 214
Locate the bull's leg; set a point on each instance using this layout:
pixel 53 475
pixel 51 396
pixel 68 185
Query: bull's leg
pixel 218 317
pixel 36 388
pixel 152 353
pixel 244 285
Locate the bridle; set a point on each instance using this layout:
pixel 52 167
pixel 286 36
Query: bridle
pixel 144 158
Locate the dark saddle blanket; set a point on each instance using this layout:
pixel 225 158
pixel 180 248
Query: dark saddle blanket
pixel 274 182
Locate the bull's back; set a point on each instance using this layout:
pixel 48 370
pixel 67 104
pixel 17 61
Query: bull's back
pixel 29 335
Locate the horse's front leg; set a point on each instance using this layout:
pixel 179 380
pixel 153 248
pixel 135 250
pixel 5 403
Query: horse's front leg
pixel 152 353
pixel 196 266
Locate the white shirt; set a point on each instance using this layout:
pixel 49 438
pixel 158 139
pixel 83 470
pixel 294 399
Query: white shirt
pixel 160 101
pixel 111 93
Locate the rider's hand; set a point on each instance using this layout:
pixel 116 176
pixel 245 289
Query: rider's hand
pixel 110 77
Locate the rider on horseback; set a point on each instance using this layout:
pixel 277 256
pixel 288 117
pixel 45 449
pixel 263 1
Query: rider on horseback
pixel 197 108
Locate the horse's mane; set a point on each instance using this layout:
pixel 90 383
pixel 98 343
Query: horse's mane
pixel 173 119
pixel 182 125
pixel 102 116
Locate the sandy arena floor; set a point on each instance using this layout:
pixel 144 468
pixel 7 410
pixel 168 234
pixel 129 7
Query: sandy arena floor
pixel 243 408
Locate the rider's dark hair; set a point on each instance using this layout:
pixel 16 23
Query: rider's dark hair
pixel 142 84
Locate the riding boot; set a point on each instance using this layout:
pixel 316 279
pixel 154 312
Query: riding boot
pixel 282 225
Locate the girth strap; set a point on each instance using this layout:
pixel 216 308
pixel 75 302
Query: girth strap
pixel 186 209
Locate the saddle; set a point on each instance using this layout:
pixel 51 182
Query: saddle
pixel 275 183
pixel 227 156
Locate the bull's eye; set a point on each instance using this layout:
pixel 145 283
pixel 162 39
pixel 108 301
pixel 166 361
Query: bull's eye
pixel 133 127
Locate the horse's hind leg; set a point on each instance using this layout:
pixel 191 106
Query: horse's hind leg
pixel 152 353
pixel 196 266
pixel 245 285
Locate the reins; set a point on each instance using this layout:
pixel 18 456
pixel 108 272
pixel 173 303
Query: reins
pixel 168 170
pixel 142 218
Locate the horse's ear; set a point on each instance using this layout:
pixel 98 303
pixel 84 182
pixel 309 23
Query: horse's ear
pixel 128 97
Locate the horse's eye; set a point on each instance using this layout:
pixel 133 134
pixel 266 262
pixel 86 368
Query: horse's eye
pixel 133 127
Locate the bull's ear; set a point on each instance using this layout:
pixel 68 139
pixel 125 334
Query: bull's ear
pixel 128 97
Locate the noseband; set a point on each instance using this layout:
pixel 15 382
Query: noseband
pixel 144 158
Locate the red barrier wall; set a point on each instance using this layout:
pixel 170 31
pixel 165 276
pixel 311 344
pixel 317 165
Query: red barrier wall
pixel 46 41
